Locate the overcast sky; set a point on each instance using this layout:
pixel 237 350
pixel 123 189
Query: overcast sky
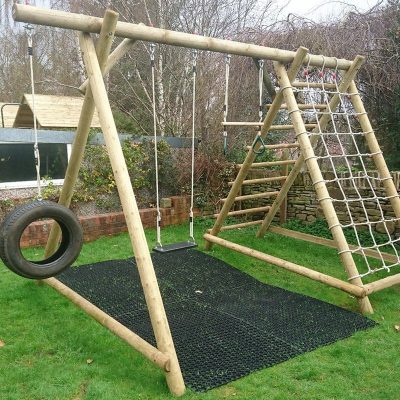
pixel 321 9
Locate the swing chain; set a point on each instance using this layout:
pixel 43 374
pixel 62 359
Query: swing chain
pixel 195 55
pixel 259 138
pixel 29 32
pixel 227 67
pixel 152 49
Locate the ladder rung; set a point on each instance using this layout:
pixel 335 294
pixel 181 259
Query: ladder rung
pixel 237 226
pixel 246 211
pixel 254 196
pixel 314 85
pixel 278 146
pixel 269 163
pixel 272 128
pixel 261 180
pixel 304 106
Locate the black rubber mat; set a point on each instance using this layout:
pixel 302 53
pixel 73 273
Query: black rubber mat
pixel 225 324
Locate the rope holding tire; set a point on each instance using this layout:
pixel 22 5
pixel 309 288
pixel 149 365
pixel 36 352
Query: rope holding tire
pixel 19 219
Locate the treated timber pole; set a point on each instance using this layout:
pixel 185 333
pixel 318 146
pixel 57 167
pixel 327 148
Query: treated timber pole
pixel 143 347
pixel 284 172
pixel 374 148
pixel 82 132
pixel 251 155
pixel 145 267
pixel 298 269
pixel 113 59
pixel 324 120
pixel 382 284
pixel 320 188
pixel 85 23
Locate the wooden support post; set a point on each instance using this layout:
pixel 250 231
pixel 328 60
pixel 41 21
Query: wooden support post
pixel 334 102
pixel 82 132
pixel 135 228
pixel 284 172
pixel 113 59
pixel 298 269
pixel 319 184
pixel 85 23
pixel 143 347
pixel 374 148
pixel 272 112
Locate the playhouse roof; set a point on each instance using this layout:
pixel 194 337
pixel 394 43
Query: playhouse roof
pixel 9 114
pixel 51 112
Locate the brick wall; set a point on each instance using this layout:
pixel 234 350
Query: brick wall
pixel 303 205
pixel 175 210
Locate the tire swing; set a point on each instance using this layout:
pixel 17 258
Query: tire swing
pixel 15 223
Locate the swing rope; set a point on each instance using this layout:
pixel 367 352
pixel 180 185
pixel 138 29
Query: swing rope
pixel 260 109
pixel 227 73
pixel 194 75
pixel 191 241
pixel 153 85
pixel 29 30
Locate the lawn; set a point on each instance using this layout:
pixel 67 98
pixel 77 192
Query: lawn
pixel 52 350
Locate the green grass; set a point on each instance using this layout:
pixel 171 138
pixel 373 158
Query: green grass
pixel 48 340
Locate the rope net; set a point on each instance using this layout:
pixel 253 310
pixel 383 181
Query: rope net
pixel 360 201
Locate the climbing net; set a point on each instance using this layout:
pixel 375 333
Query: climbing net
pixel 362 206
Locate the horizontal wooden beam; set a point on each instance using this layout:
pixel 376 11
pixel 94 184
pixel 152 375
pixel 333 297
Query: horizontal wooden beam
pixel 246 211
pixel 304 106
pixel 278 146
pixel 382 284
pixel 238 226
pixel 135 341
pixel 85 23
pixel 253 196
pixel 314 85
pixel 261 180
pixel 272 128
pixel 269 164
pixel 298 269
pixel 329 243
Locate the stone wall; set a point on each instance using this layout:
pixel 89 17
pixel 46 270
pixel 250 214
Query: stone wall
pixel 303 205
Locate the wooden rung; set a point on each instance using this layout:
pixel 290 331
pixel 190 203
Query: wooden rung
pixel 278 146
pixel 254 196
pixel 272 128
pixel 304 106
pixel 246 211
pixel 237 226
pixel 269 163
pixel 261 180
pixel 314 85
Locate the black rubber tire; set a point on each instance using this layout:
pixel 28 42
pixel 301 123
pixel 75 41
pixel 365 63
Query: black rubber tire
pixel 19 219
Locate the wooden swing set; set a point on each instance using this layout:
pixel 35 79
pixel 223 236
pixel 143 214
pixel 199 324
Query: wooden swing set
pixel 99 60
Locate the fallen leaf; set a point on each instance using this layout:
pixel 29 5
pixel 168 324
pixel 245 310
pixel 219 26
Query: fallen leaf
pixel 2 344
pixel 89 361
pixel 397 328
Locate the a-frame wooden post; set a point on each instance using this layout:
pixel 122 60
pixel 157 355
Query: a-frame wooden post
pixel 375 149
pixel 251 155
pixel 320 188
pixel 324 120
pixel 103 48
pixel 135 228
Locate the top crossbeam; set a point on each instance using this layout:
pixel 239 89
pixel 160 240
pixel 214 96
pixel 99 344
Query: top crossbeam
pixel 85 23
